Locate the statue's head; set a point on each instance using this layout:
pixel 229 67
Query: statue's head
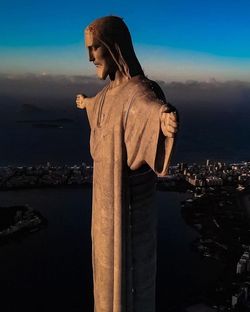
pixel 110 47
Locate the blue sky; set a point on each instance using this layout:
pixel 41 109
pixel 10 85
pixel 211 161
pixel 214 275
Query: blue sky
pixel 174 40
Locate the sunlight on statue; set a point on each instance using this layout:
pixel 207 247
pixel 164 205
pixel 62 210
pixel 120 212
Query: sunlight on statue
pixel 132 135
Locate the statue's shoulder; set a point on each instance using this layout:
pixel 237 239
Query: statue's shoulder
pixel 102 90
pixel 142 85
pixel 138 82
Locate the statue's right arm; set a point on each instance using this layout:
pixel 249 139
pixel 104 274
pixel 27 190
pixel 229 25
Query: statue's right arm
pixel 88 103
pixel 82 101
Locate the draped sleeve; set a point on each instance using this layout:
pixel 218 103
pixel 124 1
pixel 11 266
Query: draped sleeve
pixel 144 140
pixel 89 104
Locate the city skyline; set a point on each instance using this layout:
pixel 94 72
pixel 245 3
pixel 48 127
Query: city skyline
pixel 173 40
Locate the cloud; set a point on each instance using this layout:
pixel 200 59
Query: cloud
pixel 211 95
pixel 54 86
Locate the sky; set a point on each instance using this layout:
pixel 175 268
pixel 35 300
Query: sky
pixel 174 40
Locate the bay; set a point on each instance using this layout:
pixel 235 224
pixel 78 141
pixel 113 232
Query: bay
pixel 50 270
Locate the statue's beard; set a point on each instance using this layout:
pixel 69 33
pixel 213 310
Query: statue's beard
pixel 101 72
pixel 105 69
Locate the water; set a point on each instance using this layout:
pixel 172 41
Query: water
pixel 20 143
pixel 51 269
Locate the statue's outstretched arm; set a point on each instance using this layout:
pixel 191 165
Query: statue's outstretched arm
pixel 88 103
pixel 82 101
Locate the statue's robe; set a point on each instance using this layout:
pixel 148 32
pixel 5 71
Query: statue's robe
pixel 128 148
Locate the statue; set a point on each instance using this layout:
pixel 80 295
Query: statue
pixel 132 136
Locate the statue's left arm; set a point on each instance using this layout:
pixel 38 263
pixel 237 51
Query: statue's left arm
pixel 167 135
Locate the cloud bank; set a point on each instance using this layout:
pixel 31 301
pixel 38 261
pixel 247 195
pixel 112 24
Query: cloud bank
pixel 212 95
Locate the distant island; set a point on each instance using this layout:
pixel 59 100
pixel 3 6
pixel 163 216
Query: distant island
pixel 63 120
pixel 46 123
pixel 18 221
pixel 31 108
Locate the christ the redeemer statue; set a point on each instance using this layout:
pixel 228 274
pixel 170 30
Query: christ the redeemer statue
pixel 132 136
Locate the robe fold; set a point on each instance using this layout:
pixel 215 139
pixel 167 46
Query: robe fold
pixel 128 148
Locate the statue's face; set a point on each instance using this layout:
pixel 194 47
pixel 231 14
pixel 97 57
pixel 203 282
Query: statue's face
pixel 101 58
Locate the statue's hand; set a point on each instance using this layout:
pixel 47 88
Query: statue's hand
pixel 80 101
pixel 169 124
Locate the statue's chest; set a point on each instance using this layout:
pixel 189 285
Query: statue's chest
pixel 107 129
pixel 108 110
